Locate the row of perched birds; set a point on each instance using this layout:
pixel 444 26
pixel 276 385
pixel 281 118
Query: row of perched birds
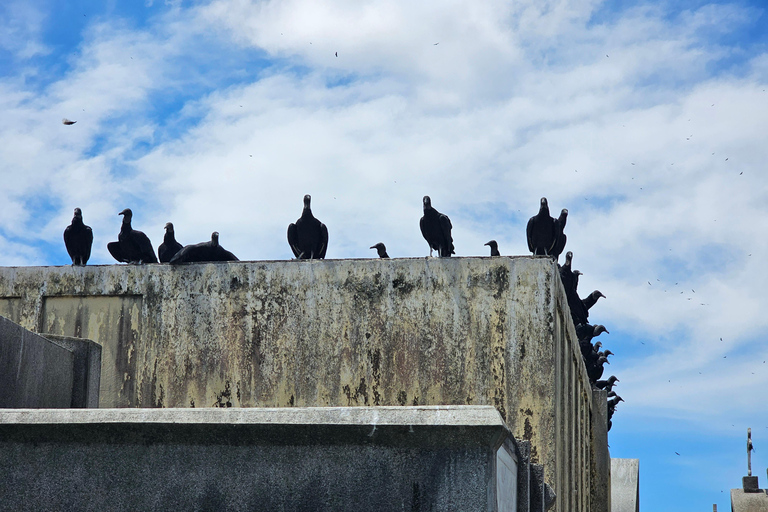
pixel 546 236
pixel 308 239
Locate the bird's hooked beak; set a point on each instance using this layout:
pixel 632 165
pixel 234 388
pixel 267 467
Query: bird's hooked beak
pixel 373 247
pixel 168 226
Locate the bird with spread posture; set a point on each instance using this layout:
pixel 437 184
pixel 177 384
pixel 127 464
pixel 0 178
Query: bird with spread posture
pixel 542 231
pixel 170 246
pixel 78 238
pixel 308 237
pixel 132 246
pixel 561 239
pixel 436 230
pixel 381 249
pixel 204 251
pixel 494 248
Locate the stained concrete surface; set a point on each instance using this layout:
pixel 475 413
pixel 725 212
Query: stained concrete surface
pixel 625 485
pixel 34 372
pixel 488 331
pixel 335 459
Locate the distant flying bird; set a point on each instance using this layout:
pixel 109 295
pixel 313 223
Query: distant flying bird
pixel 170 246
pixel 132 246
pixel 337 54
pixel 308 237
pixel 541 231
pixel 494 248
pixel 204 251
pixel 436 230
pixel 78 238
pixel 67 121
pixel 381 249
pixel 436 44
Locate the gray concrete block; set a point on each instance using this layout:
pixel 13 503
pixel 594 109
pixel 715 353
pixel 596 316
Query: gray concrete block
pixel 742 501
pixel 601 456
pixel 625 485
pixel 86 369
pixel 334 459
pixel 34 372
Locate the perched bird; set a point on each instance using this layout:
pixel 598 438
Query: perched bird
pixel 308 237
pixel 494 248
pixel 67 121
pixel 595 371
pixel 381 249
pixel 591 299
pixel 561 239
pixel 613 402
pixel 542 231
pixel 436 230
pixel 78 238
pixel 585 332
pixel 170 246
pixel 204 251
pixel 607 384
pixel 570 280
pixel 132 246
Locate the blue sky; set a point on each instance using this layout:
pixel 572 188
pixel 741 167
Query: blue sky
pixel 647 120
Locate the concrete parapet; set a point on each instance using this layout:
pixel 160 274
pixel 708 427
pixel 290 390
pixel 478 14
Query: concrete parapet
pixel 335 459
pixel 434 331
pixel 743 501
pixel 625 485
pixel 34 372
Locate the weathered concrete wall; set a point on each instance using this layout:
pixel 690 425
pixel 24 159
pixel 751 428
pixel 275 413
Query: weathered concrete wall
pixel 290 459
pixel 333 333
pixel 34 372
pixel 625 485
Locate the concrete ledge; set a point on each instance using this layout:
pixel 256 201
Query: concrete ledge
pixel 749 501
pixel 438 415
pixel 335 459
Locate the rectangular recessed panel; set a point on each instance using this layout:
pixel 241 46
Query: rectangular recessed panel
pixel 10 308
pixel 112 321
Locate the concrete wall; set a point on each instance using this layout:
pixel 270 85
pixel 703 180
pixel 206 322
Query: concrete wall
pixel 333 333
pixel 334 459
pixel 34 372
pixel 625 485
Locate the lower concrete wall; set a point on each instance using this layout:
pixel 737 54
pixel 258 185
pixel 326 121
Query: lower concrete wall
pixel 34 372
pixel 334 459
pixel 86 376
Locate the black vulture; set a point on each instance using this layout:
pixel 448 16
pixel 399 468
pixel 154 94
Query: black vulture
pixel 78 238
pixel 132 246
pixel 381 249
pixel 595 370
pixel 308 237
pixel 570 279
pixel 170 246
pixel 204 251
pixel 494 248
pixel 592 299
pixel 585 332
pixel 542 231
pixel 436 229
pixel 557 250
pixel 607 384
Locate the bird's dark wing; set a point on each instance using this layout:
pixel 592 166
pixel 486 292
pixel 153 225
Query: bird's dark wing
pixel 445 234
pixel 424 230
pixel 293 239
pixel 529 233
pixel 221 254
pixel 116 250
pixel 87 244
pixel 323 245
pixel 145 247
pixel 69 243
